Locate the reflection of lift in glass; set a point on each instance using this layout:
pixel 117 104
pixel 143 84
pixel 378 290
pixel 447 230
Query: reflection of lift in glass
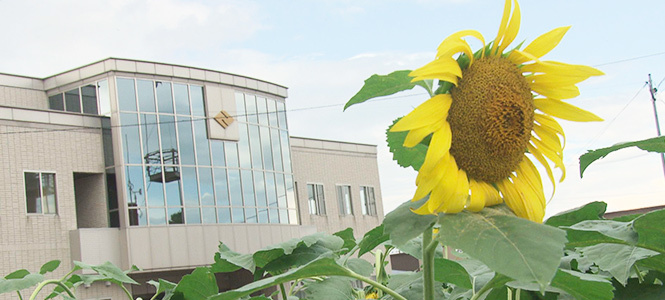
pixel 153 161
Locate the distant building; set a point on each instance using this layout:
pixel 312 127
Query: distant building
pixel 152 164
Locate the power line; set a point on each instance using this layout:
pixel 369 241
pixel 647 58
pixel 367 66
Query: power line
pixel 628 59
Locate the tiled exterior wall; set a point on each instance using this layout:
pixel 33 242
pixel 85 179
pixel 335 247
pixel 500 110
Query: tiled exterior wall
pixel 331 164
pixel 28 241
pixel 23 97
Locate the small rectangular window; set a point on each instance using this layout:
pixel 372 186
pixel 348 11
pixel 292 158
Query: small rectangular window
pixel 73 100
pixel 40 193
pixel 316 200
pixel 368 200
pixel 344 200
pixel 56 102
pixel 89 99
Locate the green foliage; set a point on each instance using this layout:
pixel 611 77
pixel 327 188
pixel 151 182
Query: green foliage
pixel 449 271
pixel 332 288
pixel 406 157
pixel 49 267
pixel 652 145
pixel 199 285
pixel 349 240
pixel 402 225
pixel 385 85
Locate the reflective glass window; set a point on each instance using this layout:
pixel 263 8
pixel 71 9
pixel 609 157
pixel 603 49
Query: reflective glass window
pixel 157 216
pixel 223 215
pixel 173 195
pixel 272 113
pixel 266 146
pixel 104 97
pixel 217 153
pixel 154 187
pixel 135 187
pixel 240 115
pixel 255 145
pixel 286 153
pixel 175 215
pixel 56 102
pixel 234 187
pixel 248 188
pixel 283 216
pixel 48 193
pixel 271 189
pixel 198 107
pixel 221 187
pixel 238 215
pixel 33 193
pixel 274 215
pixel 277 149
pixel 126 94
pixel 190 186
pixel 73 100
pixel 263 215
pixel 205 186
pixel 131 144
pixel 259 185
pixel 146 94
pixel 293 217
pixel 181 95
pixel 192 215
pixel 316 199
pixel 150 135
pixel 89 99
pixel 209 215
pixel 231 151
pixel 290 191
pixel 169 140
pixel 262 110
pixel 107 142
pixel 344 200
pixel 137 217
pixel 243 147
pixel 250 108
pixel 281 190
pixel 281 114
pixel 202 142
pixel 250 215
pixel 186 139
pixel 164 97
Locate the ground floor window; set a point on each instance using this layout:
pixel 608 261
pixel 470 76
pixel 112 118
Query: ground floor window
pixel 40 193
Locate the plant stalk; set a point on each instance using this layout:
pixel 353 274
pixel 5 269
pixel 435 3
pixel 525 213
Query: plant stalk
pixel 47 282
pixel 429 247
pixel 283 290
pixel 375 284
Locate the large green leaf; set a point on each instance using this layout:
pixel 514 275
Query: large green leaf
pixel 18 274
pixel 591 211
pixel 49 266
pixel 333 288
pixel 384 85
pixel 410 286
pixel 652 145
pixel 372 239
pixel 299 257
pixel 616 259
pixel 226 260
pixel 654 263
pixel 320 267
pixel 323 241
pixel 449 271
pixel 199 285
pixel 614 229
pixel 405 157
pixel 651 230
pixel 349 240
pixel 404 225
pixel 518 248
pixel 360 266
pixel 17 284
pixel 105 271
pixel 583 286
pixel 164 286
pixel 634 290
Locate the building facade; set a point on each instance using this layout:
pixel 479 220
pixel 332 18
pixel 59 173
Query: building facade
pixel 152 164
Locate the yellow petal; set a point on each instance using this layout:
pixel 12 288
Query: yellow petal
pixel 546 42
pixel 554 80
pixel 455 44
pixel 532 200
pixel 538 148
pixel 443 68
pixel 423 210
pixel 502 27
pixel 416 135
pixel 429 112
pixel 552 124
pixel 549 138
pixel 541 159
pixel 555 67
pixel 429 177
pixel 530 174
pixel 493 197
pixel 519 57
pixel 454 202
pixel 563 110
pixel 558 92
pixel 477 198
pixel 438 147
pixel 512 197
pixel 513 28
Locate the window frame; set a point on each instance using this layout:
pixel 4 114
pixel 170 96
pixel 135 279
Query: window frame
pixel 41 193
pixel 345 205
pixel 319 208
pixel 368 203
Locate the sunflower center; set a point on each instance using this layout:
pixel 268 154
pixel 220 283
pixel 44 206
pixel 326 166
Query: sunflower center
pixel 491 118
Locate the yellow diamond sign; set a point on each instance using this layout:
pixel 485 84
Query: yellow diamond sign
pixel 224 119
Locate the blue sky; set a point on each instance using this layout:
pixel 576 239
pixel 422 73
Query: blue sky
pixel 323 50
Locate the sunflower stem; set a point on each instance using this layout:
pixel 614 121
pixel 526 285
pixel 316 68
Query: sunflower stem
pixel 428 264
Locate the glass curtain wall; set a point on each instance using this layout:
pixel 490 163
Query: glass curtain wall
pixel 174 174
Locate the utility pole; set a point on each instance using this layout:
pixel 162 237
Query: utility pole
pixel 655 113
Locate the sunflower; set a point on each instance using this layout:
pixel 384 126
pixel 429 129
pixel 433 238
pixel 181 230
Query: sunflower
pixel 492 120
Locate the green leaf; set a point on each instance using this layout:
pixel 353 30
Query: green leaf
pixel 199 285
pixel 222 263
pixel 616 259
pixel 299 257
pixel 384 85
pixel 449 271
pixel 49 267
pixel 333 288
pixel 360 266
pixel 406 157
pixel 583 286
pixel 518 248
pixel 18 274
pixel 349 240
pixel 410 286
pixel 110 271
pixel 614 229
pixel 372 239
pixel 163 286
pixel 651 230
pixel 404 225
pixel 652 145
pixel 17 284
pixel 320 267
pixel 591 211
pixel 272 253
pixel 653 263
